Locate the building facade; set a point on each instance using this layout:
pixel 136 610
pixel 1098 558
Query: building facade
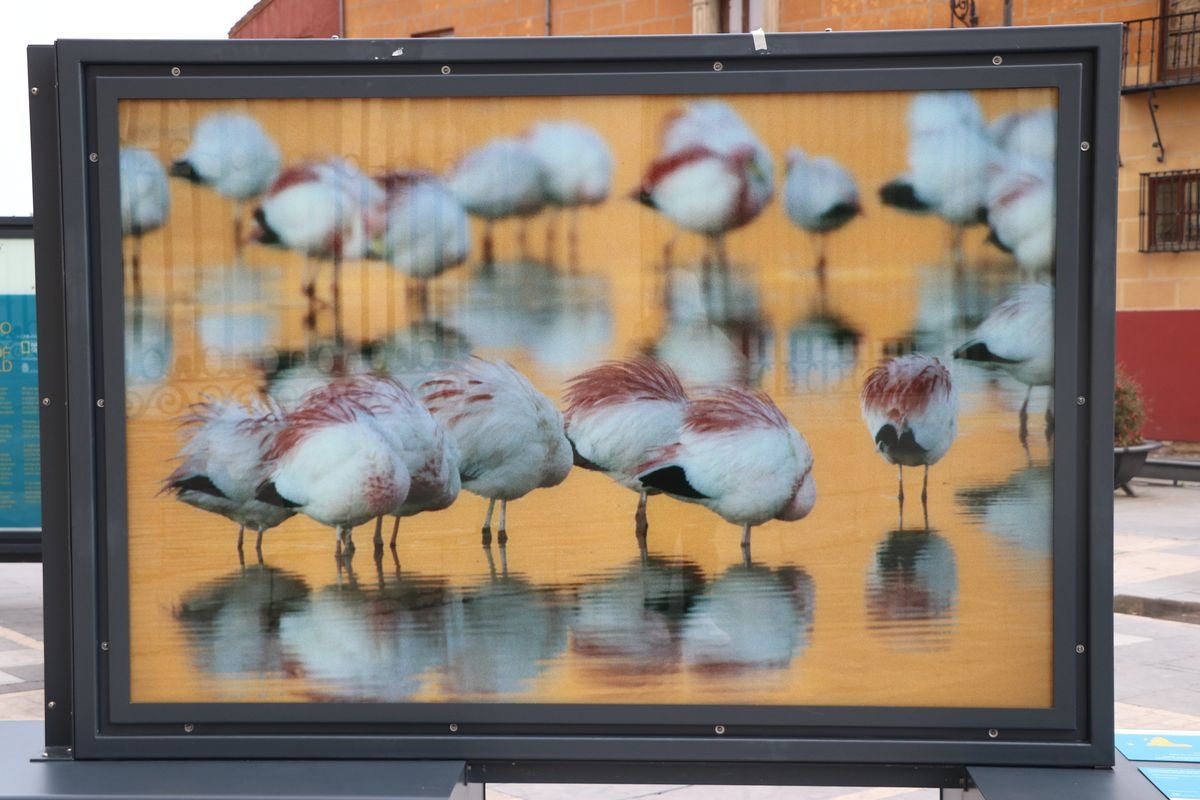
pixel 1158 237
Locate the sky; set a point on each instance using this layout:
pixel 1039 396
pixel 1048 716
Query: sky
pixel 29 22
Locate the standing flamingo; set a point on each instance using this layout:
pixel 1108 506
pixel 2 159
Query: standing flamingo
pixel 820 196
pixel 233 155
pixel 738 456
pixel 145 202
pixel 911 408
pixel 224 461
pixel 509 435
pixel 620 412
pixel 948 155
pixel 1032 133
pixel 577 166
pixel 500 179
pixel 324 209
pixel 1017 336
pixel 712 175
pixel 1020 211
pixel 426 232
pixel 333 462
pixel 425 447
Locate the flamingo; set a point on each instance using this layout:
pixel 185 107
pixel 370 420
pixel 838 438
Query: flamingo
pixel 577 166
pixel 738 456
pixel 820 196
pixel 224 461
pixel 1017 336
pixel 427 450
pixel 502 178
pixel 333 462
pixel 910 406
pixel 1020 211
pixel 712 175
pixel 145 202
pixel 1032 133
pixel 618 413
pixel 509 435
pixel 233 155
pixel 322 209
pixel 426 230
pixel 948 155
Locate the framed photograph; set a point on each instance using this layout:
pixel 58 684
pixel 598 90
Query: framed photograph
pixel 637 400
pixel 20 462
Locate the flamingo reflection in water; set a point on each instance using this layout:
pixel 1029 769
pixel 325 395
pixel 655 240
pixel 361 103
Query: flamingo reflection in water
pixel 912 590
pixel 145 203
pixel 750 617
pixel 232 623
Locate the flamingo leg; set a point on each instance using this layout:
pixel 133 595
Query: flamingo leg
pixel 746 544
pixel 337 537
pixel 503 533
pixel 258 542
pixel 395 531
pixel 237 232
pixel 1024 417
pixel 641 524
pixel 378 533
pixel 1049 419
pixel 925 497
pixel 135 263
pixel 489 245
pixel 523 240
pixel 900 494
pixel 573 241
pixel 337 299
pixel 487 522
pixel 241 535
pixel 551 237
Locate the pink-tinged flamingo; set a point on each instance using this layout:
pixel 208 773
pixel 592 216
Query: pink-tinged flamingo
pixel 712 175
pixel 224 461
pixel 333 462
pixel 145 203
pixel 1021 213
pixel 738 456
pixel 948 155
pixel 911 409
pixel 324 210
pixel 500 179
pixel 425 447
pixel 509 435
pixel 577 167
pixel 1017 336
pixel 618 414
pixel 1032 133
pixel 820 196
pixel 231 154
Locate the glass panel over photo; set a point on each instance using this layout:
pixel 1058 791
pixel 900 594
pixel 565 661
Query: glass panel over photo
pixel 630 399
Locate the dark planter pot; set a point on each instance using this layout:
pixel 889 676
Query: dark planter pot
pixel 1128 462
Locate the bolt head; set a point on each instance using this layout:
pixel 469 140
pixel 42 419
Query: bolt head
pixel 188 727
pixel 93 157
pixel 51 704
pixel 100 403
pixel 45 401
pixel 33 90
pixel 454 727
pixel 1081 400
pixel 719 730
pixel 1085 146
pixel 997 60
pixel 993 733
pixel 175 72
pixel 1080 649
pixel 718 66
pixel 104 646
pixel 446 69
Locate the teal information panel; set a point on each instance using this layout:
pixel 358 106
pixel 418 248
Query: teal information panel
pixel 20 462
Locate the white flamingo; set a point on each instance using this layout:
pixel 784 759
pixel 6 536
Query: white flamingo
pixel 578 168
pixel 509 435
pixel 738 456
pixel 1021 213
pixel 1017 336
pixel 233 155
pixel 500 179
pixel 820 196
pixel 712 175
pixel 145 202
pixel 618 414
pixel 224 461
pixel 1032 133
pixel 911 409
pixel 332 462
pixel 427 450
pixel 426 230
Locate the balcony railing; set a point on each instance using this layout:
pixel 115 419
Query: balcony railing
pixel 1161 51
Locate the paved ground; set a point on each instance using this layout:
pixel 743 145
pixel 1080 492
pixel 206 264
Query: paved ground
pixel 1157 571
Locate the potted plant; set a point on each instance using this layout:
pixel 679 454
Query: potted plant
pixel 1129 448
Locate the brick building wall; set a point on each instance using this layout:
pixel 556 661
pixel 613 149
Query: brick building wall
pixel 400 18
pixel 295 19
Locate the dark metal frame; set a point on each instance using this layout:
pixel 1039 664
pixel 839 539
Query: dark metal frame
pixel 19 544
pixel 557 742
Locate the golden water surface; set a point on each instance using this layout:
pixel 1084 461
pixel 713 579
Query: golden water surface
pixel 850 606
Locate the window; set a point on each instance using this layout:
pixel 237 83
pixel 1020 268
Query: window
pixel 439 33
pixel 741 16
pixel 1170 211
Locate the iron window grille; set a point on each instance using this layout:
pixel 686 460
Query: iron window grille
pixel 1161 51
pixel 1170 211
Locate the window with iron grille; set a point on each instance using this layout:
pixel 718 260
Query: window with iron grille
pixel 1170 211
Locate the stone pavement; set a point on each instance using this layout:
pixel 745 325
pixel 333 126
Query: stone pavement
pixel 1157 572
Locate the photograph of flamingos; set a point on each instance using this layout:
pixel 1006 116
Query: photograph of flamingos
pixel 667 399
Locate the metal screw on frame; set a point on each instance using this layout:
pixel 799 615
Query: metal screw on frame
pixel 175 72
pixel 997 60
pixel 454 727
pixel 51 704
pixel 100 403
pixel 1085 146
pixel 188 727
pixel 719 730
pixel 446 69
pixel 33 90
pixel 1081 400
pixel 1080 649
pixel 993 733
pixel 104 646
pixel 93 157
pixel 45 401
pixel 718 66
